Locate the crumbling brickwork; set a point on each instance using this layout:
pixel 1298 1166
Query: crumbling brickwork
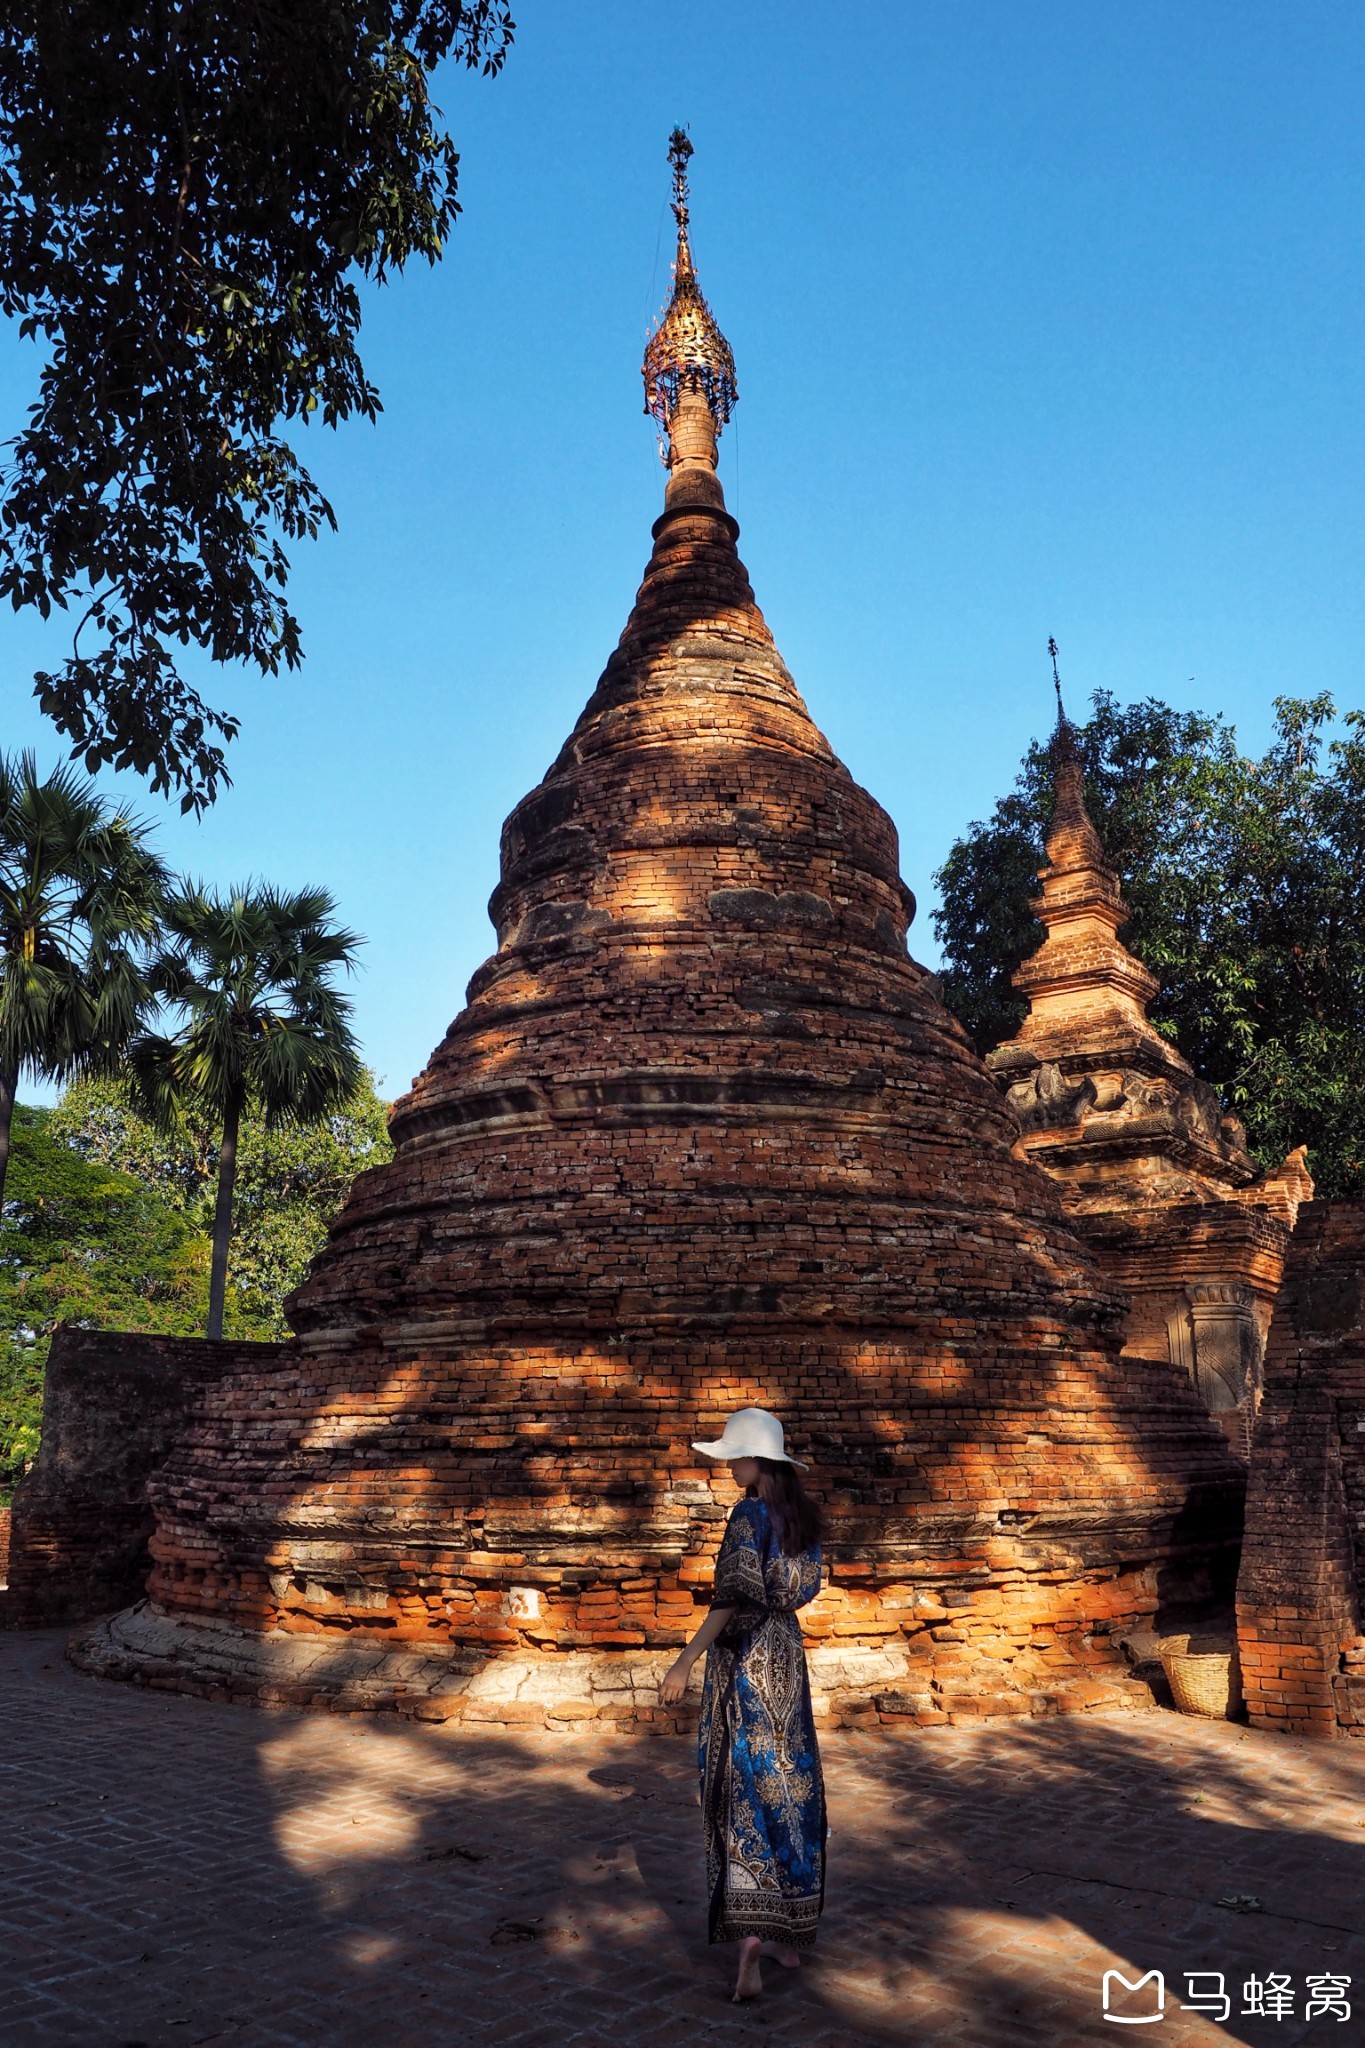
pixel 112 1405
pixel 703 1136
pixel 1299 1591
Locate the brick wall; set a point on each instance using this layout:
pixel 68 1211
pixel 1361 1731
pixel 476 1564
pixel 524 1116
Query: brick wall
pixel 112 1407
pixel 1299 1592
pixel 4 1547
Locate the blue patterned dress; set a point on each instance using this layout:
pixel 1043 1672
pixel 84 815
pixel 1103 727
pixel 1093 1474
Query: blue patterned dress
pixel 762 1792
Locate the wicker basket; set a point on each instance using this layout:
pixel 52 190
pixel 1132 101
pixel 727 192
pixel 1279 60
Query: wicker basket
pixel 1202 1674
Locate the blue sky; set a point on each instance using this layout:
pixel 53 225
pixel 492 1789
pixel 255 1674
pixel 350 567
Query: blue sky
pixel 1047 320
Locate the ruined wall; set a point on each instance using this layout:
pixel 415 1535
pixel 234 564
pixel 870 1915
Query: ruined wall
pixel 1299 1592
pixel 1201 1281
pixel 112 1406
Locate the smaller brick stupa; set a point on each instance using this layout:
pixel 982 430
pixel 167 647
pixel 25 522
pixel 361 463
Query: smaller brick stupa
pixel 703 1137
pixel 1155 1176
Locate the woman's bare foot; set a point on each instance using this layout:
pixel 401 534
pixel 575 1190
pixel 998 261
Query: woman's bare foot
pixel 788 1957
pixel 749 1983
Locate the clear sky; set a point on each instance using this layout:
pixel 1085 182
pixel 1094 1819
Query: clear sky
pixel 1047 318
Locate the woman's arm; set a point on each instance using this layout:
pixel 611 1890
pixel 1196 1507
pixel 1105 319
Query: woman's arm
pixel 675 1679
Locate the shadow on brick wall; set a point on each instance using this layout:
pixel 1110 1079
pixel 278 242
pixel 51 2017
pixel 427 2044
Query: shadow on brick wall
pixel 113 1405
pixel 1301 1589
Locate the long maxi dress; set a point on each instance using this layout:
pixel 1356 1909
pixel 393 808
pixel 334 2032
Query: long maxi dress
pixel 762 1791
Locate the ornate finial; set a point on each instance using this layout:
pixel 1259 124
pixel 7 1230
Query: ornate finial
pixel 687 353
pixel 1057 683
pixel 679 150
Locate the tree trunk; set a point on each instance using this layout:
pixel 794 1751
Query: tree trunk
pixel 8 1084
pixel 222 1213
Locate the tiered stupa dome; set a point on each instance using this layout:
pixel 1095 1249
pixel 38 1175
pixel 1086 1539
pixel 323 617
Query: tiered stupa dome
pixel 704 1136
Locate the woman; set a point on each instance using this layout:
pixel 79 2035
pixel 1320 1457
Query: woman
pixel 762 1794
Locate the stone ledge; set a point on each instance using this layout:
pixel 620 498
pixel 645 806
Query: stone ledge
pixel 853 1685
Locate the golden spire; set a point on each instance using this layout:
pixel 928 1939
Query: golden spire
pixel 688 366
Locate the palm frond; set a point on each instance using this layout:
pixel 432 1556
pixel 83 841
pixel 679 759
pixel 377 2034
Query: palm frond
pixel 246 977
pixel 80 895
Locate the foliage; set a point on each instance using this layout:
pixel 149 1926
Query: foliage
pixel 1244 878
pixel 80 892
pixel 188 196
pixel 21 1405
pixel 291 1182
pixel 107 1225
pixel 84 1244
pixel 249 976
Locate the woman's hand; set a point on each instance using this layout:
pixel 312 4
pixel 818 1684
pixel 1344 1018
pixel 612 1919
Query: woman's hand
pixel 674 1682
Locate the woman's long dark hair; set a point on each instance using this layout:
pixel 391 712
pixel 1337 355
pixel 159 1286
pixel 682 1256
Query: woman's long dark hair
pixel 797 1517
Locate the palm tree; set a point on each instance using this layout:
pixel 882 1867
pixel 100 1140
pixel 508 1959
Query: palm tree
pixel 80 896
pixel 248 977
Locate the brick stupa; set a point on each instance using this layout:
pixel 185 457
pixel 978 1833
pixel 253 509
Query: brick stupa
pixel 1154 1174
pixel 703 1136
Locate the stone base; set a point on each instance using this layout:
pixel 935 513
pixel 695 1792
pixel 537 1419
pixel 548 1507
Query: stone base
pixel 853 1685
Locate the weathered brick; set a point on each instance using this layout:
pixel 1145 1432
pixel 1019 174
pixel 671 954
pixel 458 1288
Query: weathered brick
pixel 1300 1602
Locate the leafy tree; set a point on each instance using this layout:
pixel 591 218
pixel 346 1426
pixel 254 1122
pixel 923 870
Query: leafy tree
pixel 249 977
pixel 81 1243
pixel 80 894
pixel 188 197
pixel 291 1181
pixel 108 1219
pixel 1245 879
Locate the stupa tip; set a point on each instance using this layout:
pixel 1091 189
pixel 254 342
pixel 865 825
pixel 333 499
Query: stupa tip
pixel 689 371
pixel 1072 825
pixel 1064 737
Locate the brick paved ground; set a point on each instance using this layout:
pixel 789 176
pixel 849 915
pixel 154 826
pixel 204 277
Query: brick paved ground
pixel 177 1872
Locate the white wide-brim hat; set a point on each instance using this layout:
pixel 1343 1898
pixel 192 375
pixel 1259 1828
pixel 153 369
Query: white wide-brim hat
pixel 750 1433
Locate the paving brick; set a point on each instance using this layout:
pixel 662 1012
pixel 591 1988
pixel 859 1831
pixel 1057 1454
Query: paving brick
pixel 981 1879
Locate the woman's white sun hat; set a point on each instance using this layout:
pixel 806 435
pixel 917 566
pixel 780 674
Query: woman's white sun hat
pixel 750 1433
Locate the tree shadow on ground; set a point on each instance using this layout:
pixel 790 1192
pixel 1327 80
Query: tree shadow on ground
pixel 186 1872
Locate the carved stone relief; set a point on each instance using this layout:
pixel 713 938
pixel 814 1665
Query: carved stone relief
pixel 1227 1342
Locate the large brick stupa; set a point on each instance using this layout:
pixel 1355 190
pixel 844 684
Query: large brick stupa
pixel 703 1136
